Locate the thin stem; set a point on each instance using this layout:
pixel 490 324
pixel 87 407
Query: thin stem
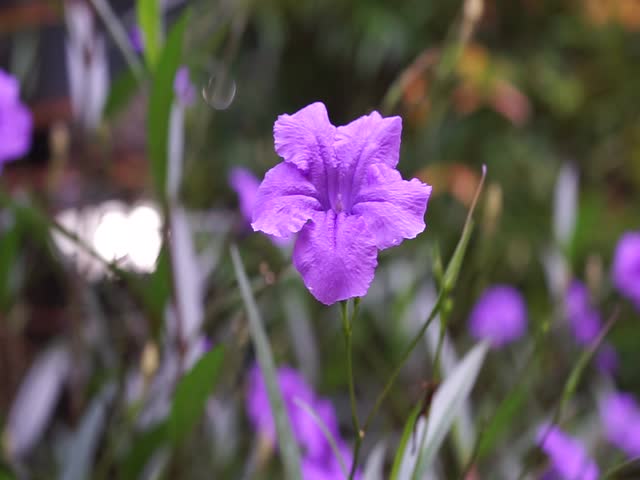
pixel 436 361
pixel 616 470
pixel 347 324
pixel 403 359
pixel 573 380
pixel 524 374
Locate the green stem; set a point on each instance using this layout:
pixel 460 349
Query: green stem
pixel 436 359
pixel 405 356
pixel 574 378
pixel 618 469
pixel 347 325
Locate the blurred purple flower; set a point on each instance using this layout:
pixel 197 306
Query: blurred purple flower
pixel 620 415
pixel 583 319
pixel 136 40
pixel 329 467
pixel 183 88
pixel 499 316
pixel 246 186
pixel 568 457
pixel 15 120
pixel 339 187
pixel 626 266
pixel 607 359
pixel 292 385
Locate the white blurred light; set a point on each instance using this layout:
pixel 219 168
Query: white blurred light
pixel 131 237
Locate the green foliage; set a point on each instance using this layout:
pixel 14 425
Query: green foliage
pixel 150 21
pixel 121 92
pixel 191 394
pixel 160 103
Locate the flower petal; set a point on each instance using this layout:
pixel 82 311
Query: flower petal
pixel 286 200
pixel 336 256
pixel 305 138
pixel 369 140
pixel 393 208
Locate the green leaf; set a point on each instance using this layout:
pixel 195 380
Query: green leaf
pixel 155 291
pixel 142 449
pixel 447 403
pixel 150 23
pixel 502 418
pixel 9 248
pixel 6 475
pixel 453 268
pixel 404 440
pixel 191 394
pixel 160 103
pixel 122 89
pixel 288 447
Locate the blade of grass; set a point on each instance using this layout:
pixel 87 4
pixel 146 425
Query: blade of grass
pixel 287 446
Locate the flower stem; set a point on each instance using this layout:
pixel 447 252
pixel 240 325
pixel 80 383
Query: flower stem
pixel 347 324
pixel 392 378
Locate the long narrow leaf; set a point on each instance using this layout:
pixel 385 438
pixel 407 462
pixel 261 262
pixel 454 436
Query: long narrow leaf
pixel 160 103
pixel 192 392
pixel 150 22
pixel 404 440
pixel 287 445
pixel 447 403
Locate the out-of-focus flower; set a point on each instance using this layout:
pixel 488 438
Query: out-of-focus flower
pixel 246 186
pixel 136 40
pixel 183 88
pixel 583 319
pixel 339 187
pixel 319 460
pixel 292 385
pixel 329 467
pixel 620 416
pixel 607 360
pixel 15 120
pixel 87 65
pixel 568 457
pixel 499 316
pixel 626 267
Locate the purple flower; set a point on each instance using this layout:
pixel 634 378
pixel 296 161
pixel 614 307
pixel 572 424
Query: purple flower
pixel 607 359
pixel 292 385
pixel 183 88
pixel 338 187
pixel 500 316
pixel 136 40
pixel 568 457
pixel 329 468
pixel 246 186
pixel 620 416
pixel 15 120
pixel 583 319
pixel 626 266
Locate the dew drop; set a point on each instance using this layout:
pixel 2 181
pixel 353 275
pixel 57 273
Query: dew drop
pixel 219 91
